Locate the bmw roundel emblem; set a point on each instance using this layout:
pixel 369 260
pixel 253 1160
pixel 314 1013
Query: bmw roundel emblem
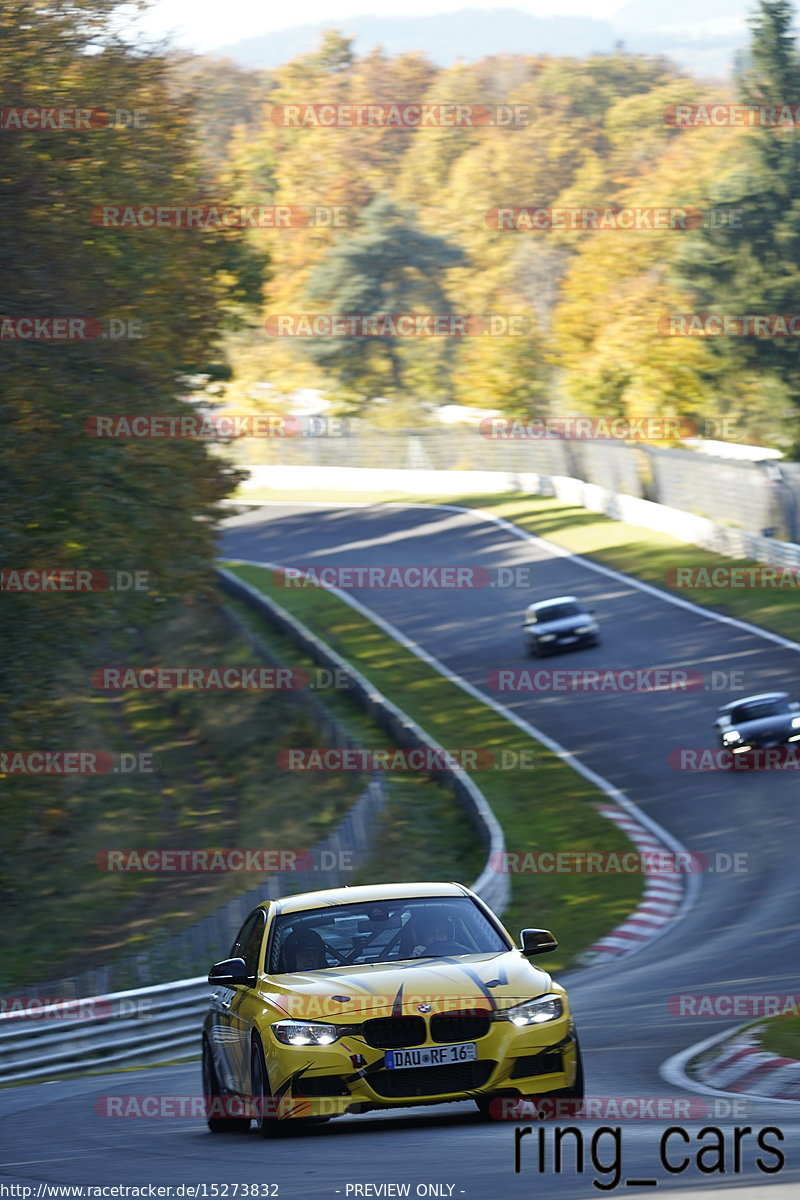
pixel 423 1008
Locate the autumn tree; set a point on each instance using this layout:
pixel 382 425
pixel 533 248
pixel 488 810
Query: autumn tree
pixel 69 499
pixel 752 266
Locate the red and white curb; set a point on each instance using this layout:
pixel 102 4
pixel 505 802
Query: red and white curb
pixel 660 904
pixel 739 1065
pixel 733 1064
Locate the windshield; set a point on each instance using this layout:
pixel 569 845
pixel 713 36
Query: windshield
pixel 382 931
pixel 764 708
pixel 557 612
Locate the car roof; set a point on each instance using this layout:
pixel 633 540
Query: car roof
pixel 753 699
pixel 555 600
pixel 365 892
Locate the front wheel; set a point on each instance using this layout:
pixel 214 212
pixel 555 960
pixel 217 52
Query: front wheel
pixel 578 1089
pixel 216 1103
pixel 266 1120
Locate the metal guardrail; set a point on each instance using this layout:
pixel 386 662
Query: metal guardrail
pixel 43 1041
pixel 150 1024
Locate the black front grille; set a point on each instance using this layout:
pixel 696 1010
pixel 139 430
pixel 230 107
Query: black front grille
pixel 430 1081
pixel 392 1033
pixel 319 1085
pixel 546 1063
pixel 459 1027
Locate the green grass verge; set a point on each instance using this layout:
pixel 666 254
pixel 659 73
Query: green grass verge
pixel 549 807
pixel 781 1035
pixel 632 549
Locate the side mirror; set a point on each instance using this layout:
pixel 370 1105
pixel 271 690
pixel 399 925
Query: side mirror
pixel 229 972
pixel 537 941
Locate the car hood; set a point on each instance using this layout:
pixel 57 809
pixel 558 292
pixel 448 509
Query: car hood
pixel 766 726
pixel 470 981
pixel 565 625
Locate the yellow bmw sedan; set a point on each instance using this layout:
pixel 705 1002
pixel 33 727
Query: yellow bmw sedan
pixel 385 996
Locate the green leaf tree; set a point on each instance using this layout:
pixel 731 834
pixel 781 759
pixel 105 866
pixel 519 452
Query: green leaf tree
pixel 389 266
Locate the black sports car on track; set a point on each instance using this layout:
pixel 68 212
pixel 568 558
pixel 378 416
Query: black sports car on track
pixel 758 722
pixel 559 624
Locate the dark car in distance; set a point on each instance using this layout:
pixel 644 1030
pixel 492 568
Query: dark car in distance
pixel 559 624
pixel 758 722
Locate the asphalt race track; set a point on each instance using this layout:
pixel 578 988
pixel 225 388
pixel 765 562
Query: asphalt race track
pixel 742 935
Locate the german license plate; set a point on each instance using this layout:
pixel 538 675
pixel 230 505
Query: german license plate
pixel 431 1056
pixel 567 641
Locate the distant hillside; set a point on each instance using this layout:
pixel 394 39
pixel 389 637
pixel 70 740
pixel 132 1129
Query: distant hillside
pixel 444 37
pixel 701 37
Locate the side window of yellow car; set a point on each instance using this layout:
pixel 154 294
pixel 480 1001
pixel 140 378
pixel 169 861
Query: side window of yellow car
pixel 249 939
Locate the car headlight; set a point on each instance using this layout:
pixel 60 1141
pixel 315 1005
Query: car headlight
pixel 732 735
pixel 586 629
pixel 547 637
pixel 533 1012
pixel 795 722
pixel 305 1033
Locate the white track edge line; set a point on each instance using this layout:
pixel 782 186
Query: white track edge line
pixel 557 552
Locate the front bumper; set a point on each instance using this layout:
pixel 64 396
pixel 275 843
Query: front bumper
pixel 351 1076
pixel 563 642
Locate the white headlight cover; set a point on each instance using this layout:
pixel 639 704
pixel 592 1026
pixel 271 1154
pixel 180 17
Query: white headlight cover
pixel 533 1012
pixel 305 1033
pixel 795 722
pixel 732 735
pixel 547 637
pixel 587 628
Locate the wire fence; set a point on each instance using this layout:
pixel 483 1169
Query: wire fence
pixel 754 496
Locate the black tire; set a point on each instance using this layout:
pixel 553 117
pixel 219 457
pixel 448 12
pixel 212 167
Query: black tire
pixel 212 1093
pixel 266 1122
pixel 578 1089
pixel 483 1104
